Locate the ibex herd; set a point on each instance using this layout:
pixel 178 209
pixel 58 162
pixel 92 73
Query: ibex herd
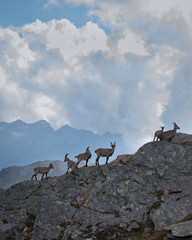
pixel 159 135
pixel 167 135
pixel 100 152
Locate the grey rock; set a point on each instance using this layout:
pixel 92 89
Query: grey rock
pixel 115 201
pixel 183 229
pixel 180 137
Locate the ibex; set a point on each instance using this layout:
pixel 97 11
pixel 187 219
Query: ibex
pixel 168 135
pixel 84 156
pixel 158 134
pixel 105 152
pixel 71 164
pixel 42 170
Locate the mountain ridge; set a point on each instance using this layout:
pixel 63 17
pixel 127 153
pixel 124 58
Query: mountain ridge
pixel 23 143
pixel 145 196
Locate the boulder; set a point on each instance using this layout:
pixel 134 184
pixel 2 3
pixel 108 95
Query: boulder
pixel 183 229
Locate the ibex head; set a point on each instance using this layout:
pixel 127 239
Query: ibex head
pixel 51 166
pixel 113 145
pixel 65 159
pixel 175 126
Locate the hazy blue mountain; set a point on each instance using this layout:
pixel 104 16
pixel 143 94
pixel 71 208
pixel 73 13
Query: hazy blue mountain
pixel 23 143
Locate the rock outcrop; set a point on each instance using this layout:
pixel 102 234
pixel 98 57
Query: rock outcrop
pixel 145 196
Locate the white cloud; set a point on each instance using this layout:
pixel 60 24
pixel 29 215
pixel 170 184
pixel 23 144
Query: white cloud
pixel 62 37
pixel 44 107
pixel 116 11
pixel 12 97
pixel 158 8
pixel 89 2
pixel 164 64
pixel 51 3
pixel 36 27
pixel 131 43
pixel 15 50
pixel 124 81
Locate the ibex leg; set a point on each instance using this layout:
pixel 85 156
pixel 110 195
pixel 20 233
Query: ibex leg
pixel 67 170
pixel 97 161
pixel 86 163
pixel 32 176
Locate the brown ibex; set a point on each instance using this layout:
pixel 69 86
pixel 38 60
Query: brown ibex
pixel 42 170
pixel 84 156
pixel 105 152
pixel 168 135
pixel 158 134
pixel 71 164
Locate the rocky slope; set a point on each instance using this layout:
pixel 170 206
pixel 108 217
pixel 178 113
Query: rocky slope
pixel 145 196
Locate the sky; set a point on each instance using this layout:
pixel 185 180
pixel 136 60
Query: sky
pixel 102 65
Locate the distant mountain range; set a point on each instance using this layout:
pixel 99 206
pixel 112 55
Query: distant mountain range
pixel 23 143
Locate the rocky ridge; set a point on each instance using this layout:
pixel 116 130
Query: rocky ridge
pixel 145 196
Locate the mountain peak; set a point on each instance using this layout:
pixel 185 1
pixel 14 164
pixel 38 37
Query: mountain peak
pixel 18 122
pixel 42 123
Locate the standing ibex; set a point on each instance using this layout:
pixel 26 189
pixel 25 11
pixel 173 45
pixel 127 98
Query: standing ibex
pixel 158 134
pixel 105 152
pixel 84 156
pixel 168 135
pixel 42 170
pixel 71 164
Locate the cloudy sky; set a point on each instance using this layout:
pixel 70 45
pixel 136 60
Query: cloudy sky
pixel 103 65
